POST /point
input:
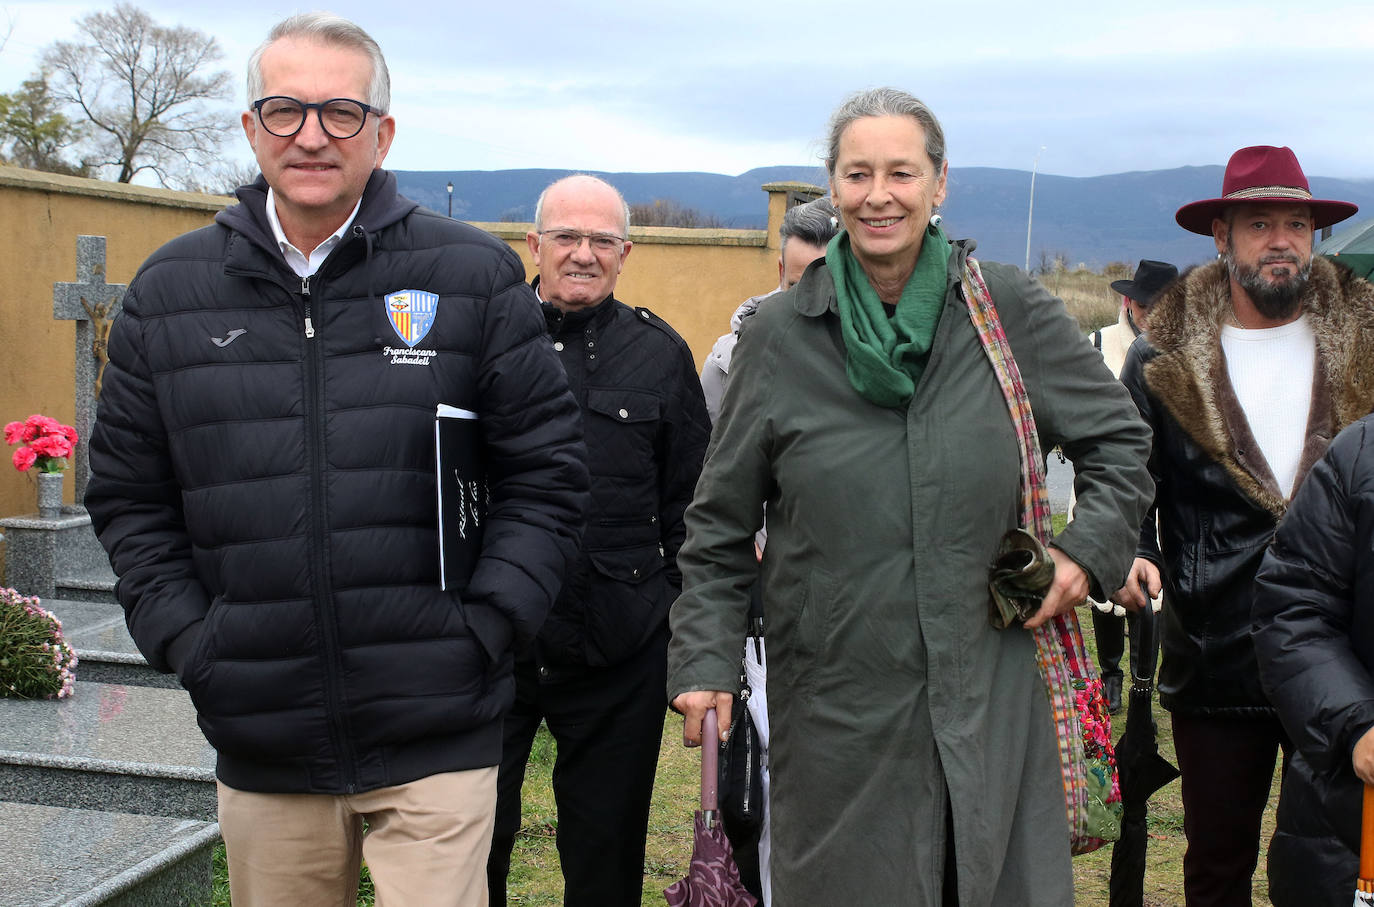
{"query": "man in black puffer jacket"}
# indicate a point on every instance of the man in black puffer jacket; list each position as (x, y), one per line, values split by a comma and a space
(263, 478)
(1314, 636)
(598, 671)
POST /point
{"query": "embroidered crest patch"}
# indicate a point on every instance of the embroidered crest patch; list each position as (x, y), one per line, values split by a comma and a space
(411, 313)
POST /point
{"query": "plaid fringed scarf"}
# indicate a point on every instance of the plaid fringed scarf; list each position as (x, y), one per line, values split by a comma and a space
(1081, 721)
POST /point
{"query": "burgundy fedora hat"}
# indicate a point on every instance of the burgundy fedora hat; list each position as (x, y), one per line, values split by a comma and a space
(1262, 174)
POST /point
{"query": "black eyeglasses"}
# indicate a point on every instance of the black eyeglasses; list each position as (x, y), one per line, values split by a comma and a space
(340, 118)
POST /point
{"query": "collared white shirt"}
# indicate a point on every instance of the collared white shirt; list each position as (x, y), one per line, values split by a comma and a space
(305, 265)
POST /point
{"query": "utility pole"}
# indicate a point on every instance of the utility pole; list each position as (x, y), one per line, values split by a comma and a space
(1030, 209)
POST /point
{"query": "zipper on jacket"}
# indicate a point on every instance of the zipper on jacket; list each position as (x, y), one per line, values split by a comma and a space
(749, 754)
(305, 296)
(325, 618)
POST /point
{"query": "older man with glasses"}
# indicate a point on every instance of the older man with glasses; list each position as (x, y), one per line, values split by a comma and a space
(263, 478)
(597, 673)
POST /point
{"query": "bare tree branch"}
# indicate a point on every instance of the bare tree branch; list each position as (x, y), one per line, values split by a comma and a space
(666, 212)
(141, 87)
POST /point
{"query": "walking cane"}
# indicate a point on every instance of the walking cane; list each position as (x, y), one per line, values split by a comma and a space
(1364, 888)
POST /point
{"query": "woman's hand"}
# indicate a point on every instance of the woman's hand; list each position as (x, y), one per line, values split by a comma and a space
(1130, 596)
(1069, 589)
(693, 706)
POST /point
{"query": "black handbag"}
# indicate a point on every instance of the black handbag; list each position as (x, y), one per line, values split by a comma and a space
(741, 771)
(740, 783)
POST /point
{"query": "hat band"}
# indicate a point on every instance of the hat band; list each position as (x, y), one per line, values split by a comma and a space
(1269, 192)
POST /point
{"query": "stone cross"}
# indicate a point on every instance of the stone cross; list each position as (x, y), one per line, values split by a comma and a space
(92, 304)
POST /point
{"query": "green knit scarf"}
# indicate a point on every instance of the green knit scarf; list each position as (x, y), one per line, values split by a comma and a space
(886, 356)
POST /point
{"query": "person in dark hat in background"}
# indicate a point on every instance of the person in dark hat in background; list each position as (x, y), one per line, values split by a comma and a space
(1251, 365)
(1137, 296)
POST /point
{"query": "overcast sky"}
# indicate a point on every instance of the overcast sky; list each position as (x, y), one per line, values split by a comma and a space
(728, 85)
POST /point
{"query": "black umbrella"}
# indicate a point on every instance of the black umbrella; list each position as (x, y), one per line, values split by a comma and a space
(1142, 769)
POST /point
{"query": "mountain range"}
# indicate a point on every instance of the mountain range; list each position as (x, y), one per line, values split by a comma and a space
(1120, 217)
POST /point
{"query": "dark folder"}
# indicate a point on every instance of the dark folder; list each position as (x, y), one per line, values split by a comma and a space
(462, 487)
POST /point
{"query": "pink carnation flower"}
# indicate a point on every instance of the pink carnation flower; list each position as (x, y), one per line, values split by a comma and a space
(24, 458)
(43, 440)
(52, 446)
(42, 425)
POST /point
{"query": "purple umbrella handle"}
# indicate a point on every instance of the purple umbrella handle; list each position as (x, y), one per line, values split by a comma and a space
(710, 762)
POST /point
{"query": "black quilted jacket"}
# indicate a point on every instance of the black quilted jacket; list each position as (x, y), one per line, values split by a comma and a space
(263, 480)
(1314, 635)
(646, 427)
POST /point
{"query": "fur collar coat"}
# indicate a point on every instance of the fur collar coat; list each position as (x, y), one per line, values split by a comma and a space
(1189, 374)
(1217, 501)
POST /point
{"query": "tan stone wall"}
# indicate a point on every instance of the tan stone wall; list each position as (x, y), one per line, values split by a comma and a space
(41, 215)
(693, 279)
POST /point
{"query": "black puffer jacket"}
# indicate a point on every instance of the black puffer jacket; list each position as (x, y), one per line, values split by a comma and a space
(263, 479)
(1314, 635)
(1216, 499)
(646, 427)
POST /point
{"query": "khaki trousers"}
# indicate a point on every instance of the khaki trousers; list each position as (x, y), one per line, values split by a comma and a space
(426, 843)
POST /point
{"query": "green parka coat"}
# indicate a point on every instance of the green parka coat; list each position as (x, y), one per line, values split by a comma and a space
(891, 696)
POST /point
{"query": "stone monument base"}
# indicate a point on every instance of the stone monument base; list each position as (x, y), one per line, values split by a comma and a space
(51, 557)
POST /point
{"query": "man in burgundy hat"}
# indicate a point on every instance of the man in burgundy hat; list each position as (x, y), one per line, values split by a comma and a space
(1251, 365)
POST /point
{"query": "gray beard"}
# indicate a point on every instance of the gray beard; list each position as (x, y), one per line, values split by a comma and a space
(1275, 301)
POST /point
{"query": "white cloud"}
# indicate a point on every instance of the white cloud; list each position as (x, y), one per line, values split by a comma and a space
(724, 86)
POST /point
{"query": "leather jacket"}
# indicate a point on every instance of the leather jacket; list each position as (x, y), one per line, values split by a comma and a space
(1216, 501)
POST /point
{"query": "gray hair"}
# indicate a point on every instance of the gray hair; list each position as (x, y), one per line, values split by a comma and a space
(815, 223)
(326, 28)
(885, 102)
(539, 205)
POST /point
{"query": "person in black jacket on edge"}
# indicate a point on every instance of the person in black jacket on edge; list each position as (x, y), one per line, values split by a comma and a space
(597, 673)
(263, 478)
(1314, 637)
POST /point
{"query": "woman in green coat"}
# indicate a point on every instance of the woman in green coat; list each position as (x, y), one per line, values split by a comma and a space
(913, 756)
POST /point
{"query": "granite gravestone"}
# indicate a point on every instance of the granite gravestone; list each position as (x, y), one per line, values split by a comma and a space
(45, 556)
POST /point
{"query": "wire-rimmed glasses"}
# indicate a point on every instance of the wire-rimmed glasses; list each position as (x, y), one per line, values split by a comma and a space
(571, 239)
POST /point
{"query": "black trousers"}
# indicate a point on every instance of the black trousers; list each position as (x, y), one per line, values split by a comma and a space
(1228, 768)
(1110, 632)
(607, 725)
